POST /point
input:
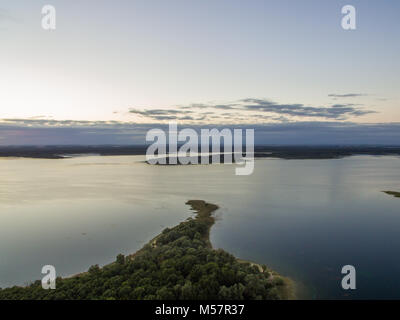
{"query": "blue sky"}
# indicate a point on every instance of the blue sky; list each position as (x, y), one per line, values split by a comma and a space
(221, 62)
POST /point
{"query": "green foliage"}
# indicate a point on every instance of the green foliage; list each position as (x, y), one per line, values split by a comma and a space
(393, 193)
(178, 264)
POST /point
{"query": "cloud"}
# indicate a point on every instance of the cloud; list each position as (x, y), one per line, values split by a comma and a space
(347, 95)
(275, 123)
(167, 114)
(43, 132)
(338, 111)
(153, 112)
(328, 133)
(36, 122)
(253, 110)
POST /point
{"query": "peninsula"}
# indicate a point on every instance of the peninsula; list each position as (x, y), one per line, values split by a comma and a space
(178, 264)
(393, 193)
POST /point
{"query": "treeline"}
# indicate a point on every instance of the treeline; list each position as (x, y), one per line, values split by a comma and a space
(177, 264)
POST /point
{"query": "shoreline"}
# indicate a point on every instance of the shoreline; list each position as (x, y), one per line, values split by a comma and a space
(204, 210)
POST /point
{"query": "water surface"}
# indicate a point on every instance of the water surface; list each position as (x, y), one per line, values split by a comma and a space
(303, 218)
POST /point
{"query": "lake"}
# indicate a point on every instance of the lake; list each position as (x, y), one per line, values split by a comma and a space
(303, 218)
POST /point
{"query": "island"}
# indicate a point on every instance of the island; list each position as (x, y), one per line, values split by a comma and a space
(393, 193)
(178, 264)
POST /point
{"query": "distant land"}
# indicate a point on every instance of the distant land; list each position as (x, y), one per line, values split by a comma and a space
(282, 152)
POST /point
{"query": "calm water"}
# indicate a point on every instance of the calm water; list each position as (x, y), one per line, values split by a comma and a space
(303, 218)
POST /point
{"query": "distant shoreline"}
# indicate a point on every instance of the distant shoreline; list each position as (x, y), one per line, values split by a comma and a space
(264, 152)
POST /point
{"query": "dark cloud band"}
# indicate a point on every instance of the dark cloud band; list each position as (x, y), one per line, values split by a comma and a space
(18, 132)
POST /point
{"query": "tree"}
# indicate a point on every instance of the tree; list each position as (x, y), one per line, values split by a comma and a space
(120, 259)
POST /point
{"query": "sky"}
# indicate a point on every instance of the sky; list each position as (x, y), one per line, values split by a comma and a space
(112, 69)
